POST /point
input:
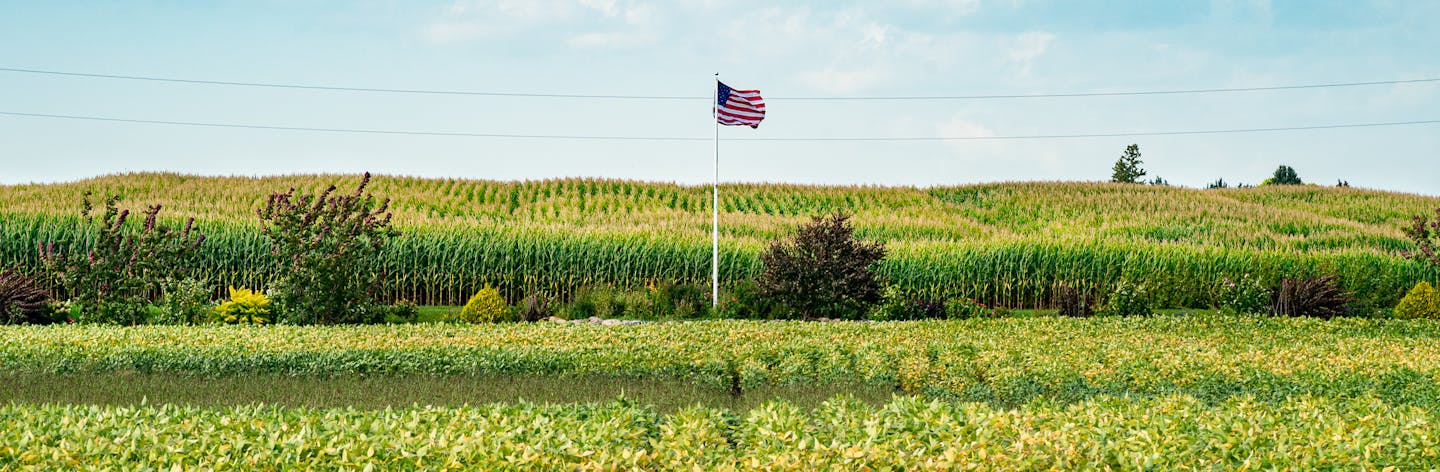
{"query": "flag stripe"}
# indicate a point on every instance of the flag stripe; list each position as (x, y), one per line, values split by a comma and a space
(741, 115)
(738, 107)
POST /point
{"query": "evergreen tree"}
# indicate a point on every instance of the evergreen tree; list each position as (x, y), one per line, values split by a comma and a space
(1284, 175)
(1127, 169)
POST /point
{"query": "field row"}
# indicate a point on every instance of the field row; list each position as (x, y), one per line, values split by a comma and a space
(1168, 433)
(1003, 244)
(1000, 361)
(1270, 218)
(439, 269)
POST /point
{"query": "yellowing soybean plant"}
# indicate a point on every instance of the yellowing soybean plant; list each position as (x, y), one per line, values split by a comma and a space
(1002, 244)
(1187, 390)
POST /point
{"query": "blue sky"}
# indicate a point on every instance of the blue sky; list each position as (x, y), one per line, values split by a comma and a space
(785, 49)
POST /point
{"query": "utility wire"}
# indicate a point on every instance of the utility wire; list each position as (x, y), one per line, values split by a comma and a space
(679, 97)
(677, 138)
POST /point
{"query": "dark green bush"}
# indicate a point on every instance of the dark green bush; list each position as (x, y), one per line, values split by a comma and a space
(678, 301)
(183, 302)
(606, 302)
(1243, 295)
(1284, 175)
(896, 305)
(1128, 299)
(403, 311)
(744, 301)
(966, 308)
(823, 270)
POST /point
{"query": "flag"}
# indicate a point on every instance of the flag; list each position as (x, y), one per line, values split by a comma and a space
(738, 107)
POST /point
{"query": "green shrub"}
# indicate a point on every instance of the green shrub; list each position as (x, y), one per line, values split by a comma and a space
(674, 301)
(744, 301)
(1128, 299)
(1421, 302)
(403, 311)
(111, 278)
(245, 306)
(823, 270)
(325, 243)
(610, 303)
(486, 306)
(1245, 295)
(184, 302)
(896, 305)
(965, 308)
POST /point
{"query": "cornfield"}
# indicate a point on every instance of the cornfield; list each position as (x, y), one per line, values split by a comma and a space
(1002, 244)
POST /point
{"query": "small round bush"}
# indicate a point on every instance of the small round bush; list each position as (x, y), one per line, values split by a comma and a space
(1421, 302)
(486, 306)
(1128, 299)
(965, 308)
(245, 306)
(1245, 295)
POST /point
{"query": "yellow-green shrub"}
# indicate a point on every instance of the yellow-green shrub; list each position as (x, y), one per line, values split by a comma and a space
(1421, 302)
(486, 306)
(245, 306)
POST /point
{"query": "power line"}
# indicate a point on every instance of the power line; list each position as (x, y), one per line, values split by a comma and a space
(354, 89)
(680, 97)
(679, 138)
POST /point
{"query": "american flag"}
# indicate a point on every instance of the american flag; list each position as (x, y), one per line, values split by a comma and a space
(738, 107)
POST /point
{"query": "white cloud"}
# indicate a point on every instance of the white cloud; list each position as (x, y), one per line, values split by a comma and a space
(1027, 47)
(468, 20)
(640, 14)
(953, 7)
(961, 126)
(608, 39)
(844, 81)
(454, 31)
(606, 7)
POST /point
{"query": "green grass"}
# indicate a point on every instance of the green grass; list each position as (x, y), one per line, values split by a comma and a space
(436, 313)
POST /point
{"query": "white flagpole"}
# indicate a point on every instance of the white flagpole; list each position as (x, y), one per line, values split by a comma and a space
(715, 203)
